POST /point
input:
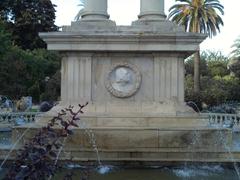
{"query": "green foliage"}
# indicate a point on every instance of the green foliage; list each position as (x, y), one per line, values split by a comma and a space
(190, 95)
(43, 63)
(5, 39)
(211, 64)
(34, 91)
(23, 73)
(236, 48)
(215, 90)
(234, 66)
(52, 88)
(26, 18)
(218, 84)
(221, 89)
(216, 63)
(13, 72)
(189, 66)
(5, 11)
(214, 56)
(198, 16)
(233, 87)
(217, 68)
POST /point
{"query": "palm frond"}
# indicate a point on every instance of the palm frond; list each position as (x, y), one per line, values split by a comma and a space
(80, 12)
(202, 16)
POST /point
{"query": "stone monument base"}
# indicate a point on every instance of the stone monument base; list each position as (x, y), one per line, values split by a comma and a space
(133, 114)
(145, 139)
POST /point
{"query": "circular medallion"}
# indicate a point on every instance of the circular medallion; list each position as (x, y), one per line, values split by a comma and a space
(123, 80)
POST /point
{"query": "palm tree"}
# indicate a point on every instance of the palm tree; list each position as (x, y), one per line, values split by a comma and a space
(198, 16)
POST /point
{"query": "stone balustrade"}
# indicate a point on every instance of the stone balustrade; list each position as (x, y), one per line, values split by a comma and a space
(11, 117)
(224, 120)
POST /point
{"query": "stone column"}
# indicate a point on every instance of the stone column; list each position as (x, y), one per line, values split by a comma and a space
(95, 9)
(152, 9)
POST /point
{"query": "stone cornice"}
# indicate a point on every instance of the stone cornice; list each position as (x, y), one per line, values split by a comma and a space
(123, 41)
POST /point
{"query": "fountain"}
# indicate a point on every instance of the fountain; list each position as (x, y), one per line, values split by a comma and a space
(133, 78)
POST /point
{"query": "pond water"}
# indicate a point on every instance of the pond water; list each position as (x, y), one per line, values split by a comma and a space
(203, 172)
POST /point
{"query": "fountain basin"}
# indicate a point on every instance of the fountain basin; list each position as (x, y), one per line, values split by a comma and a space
(144, 144)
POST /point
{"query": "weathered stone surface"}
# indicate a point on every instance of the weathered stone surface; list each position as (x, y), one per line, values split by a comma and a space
(95, 10)
(152, 9)
(145, 144)
(158, 52)
(137, 113)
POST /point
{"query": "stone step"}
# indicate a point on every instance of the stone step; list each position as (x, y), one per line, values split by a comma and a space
(137, 121)
(133, 156)
(140, 138)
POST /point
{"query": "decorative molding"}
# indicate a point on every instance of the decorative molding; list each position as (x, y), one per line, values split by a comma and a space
(123, 80)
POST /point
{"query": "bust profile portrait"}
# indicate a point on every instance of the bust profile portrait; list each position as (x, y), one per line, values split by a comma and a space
(123, 80)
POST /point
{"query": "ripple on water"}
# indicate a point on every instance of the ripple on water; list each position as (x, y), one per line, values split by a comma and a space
(192, 171)
(104, 169)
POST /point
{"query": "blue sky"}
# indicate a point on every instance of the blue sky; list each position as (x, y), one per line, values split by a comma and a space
(123, 12)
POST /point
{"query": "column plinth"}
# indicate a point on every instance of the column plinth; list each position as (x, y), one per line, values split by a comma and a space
(151, 10)
(95, 9)
(93, 16)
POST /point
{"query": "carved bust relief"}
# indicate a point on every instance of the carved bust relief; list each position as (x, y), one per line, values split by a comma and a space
(123, 80)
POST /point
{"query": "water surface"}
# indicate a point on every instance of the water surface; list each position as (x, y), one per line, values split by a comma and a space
(216, 172)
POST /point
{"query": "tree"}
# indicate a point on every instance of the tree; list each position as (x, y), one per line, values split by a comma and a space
(198, 16)
(5, 39)
(26, 18)
(4, 11)
(212, 64)
(216, 63)
(234, 64)
(189, 66)
(22, 73)
(236, 48)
